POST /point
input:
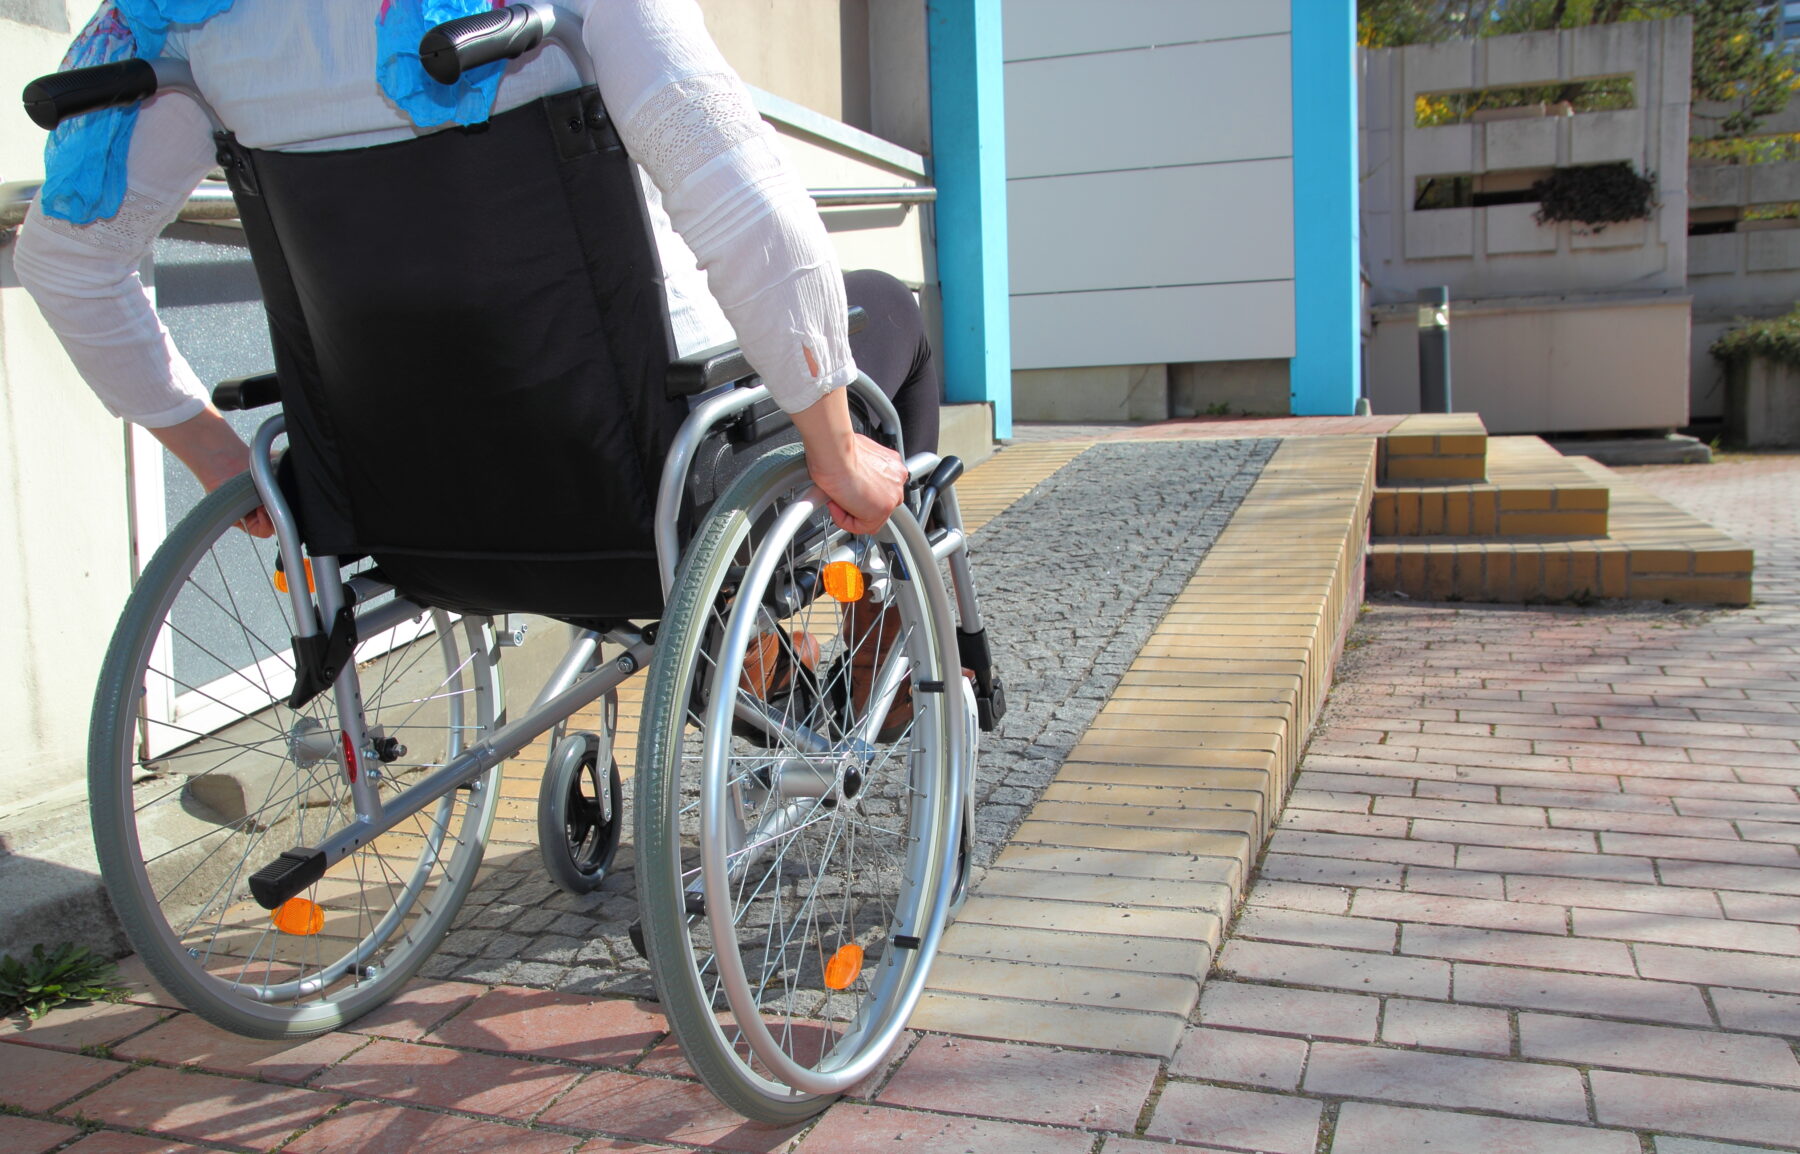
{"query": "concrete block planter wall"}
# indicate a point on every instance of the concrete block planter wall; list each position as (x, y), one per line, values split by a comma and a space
(1762, 403)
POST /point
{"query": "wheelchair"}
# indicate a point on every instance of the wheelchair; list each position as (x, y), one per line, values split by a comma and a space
(297, 743)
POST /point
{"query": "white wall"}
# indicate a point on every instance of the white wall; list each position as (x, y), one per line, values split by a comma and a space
(1149, 181)
(65, 558)
(1546, 365)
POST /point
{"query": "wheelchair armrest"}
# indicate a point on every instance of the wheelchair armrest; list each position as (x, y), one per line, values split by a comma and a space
(722, 364)
(242, 393)
(49, 100)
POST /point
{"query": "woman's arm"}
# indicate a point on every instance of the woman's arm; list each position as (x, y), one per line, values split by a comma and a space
(689, 120)
(85, 278)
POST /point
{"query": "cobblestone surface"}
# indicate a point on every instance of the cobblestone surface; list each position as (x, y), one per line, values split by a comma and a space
(1072, 579)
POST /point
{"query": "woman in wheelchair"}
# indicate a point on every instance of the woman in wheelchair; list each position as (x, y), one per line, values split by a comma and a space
(503, 277)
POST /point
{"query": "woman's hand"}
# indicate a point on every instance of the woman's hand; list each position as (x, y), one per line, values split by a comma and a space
(863, 480)
(214, 454)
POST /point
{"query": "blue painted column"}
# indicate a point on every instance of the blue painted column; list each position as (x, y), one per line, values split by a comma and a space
(1325, 374)
(968, 153)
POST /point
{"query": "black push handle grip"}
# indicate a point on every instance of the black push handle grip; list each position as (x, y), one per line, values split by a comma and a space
(52, 99)
(455, 46)
(240, 394)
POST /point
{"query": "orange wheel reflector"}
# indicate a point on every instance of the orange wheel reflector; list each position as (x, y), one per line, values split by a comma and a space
(299, 917)
(281, 582)
(843, 967)
(844, 581)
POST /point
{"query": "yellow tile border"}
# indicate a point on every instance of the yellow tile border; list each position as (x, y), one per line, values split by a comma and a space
(1250, 641)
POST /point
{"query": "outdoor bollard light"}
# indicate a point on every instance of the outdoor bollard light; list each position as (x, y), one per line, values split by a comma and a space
(1434, 350)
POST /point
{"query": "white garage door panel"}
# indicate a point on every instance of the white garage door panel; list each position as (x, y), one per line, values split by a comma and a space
(1033, 28)
(1176, 226)
(1147, 108)
(1154, 326)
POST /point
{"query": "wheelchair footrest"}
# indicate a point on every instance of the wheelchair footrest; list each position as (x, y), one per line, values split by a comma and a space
(990, 694)
(989, 709)
(286, 876)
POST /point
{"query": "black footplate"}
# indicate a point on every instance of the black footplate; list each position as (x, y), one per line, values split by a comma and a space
(991, 707)
(990, 694)
(286, 876)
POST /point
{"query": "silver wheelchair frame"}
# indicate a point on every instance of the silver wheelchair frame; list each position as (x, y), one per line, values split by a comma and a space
(325, 604)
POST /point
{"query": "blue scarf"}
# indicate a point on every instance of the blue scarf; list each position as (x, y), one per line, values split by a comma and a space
(84, 161)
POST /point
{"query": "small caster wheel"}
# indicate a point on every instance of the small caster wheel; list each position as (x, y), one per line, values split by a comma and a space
(580, 812)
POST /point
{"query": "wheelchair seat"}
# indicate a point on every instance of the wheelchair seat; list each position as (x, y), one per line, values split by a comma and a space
(472, 344)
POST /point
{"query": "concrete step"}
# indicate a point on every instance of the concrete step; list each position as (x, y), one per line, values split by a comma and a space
(1434, 447)
(1530, 490)
(967, 431)
(1652, 551)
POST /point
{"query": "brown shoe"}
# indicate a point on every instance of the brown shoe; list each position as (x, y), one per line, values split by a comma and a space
(869, 641)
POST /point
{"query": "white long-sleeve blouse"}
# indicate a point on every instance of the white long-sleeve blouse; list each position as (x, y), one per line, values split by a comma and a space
(741, 243)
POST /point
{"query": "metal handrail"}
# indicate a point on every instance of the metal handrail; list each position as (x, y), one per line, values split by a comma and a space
(212, 200)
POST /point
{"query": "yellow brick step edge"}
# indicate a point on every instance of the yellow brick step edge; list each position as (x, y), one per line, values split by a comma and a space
(1100, 918)
(1434, 447)
(1654, 552)
(1531, 490)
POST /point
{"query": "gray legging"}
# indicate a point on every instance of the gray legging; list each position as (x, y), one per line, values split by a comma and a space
(893, 351)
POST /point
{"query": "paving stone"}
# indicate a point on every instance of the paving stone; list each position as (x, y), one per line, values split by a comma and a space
(1548, 951)
(30, 1136)
(1278, 1009)
(206, 1108)
(1236, 1056)
(1073, 982)
(1338, 969)
(1445, 1026)
(35, 1080)
(412, 1013)
(1626, 1046)
(859, 1129)
(1667, 1145)
(659, 1110)
(1686, 1106)
(380, 1128)
(113, 1142)
(1758, 1010)
(1299, 896)
(1308, 928)
(1532, 1089)
(474, 1083)
(1048, 1023)
(1023, 1083)
(1655, 899)
(1719, 967)
(606, 1031)
(197, 1043)
(1190, 1112)
(79, 1027)
(1443, 909)
(1369, 1128)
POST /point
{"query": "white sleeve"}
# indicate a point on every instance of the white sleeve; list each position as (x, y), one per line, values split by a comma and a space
(687, 118)
(85, 277)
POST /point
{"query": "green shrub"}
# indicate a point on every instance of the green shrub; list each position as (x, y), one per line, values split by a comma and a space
(69, 973)
(1595, 194)
(1774, 339)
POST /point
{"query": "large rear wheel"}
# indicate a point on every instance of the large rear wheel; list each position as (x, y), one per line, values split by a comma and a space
(800, 800)
(200, 774)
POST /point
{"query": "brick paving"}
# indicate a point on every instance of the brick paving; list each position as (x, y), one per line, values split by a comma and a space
(1538, 882)
(1536, 889)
